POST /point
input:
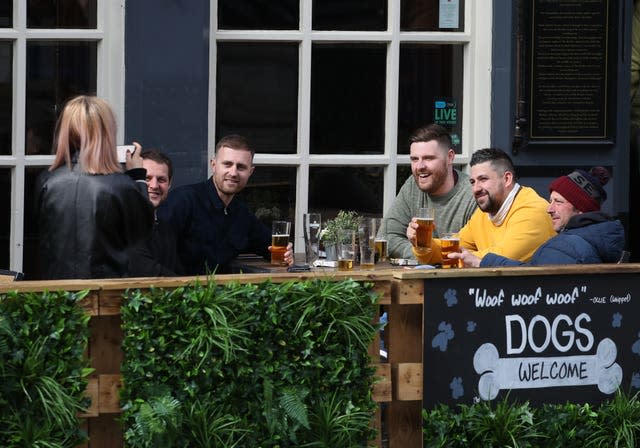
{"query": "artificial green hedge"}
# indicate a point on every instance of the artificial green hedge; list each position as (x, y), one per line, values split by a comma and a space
(43, 371)
(260, 365)
(507, 423)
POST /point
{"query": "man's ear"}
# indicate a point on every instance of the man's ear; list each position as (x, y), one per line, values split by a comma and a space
(451, 154)
(508, 178)
(213, 165)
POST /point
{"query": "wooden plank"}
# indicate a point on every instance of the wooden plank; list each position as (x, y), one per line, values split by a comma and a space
(383, 287)
(108, 390)
(104, 344)
(376, 423)
(404, 419)
(408, 381)
(90, 303)
(382, 388)
(518, 271)
(92, 393)
(403, 336)
(110, 301)
(407, 291)
(105, 431)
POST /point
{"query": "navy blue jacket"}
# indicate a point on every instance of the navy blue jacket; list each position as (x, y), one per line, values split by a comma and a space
(209, 234)
(587, 238)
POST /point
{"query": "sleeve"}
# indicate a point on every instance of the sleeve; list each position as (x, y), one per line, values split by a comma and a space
(492, 259)
(526, 230)
(142, 262)
(259, 237)
(466, 233)
(138, 213)
(396, 222)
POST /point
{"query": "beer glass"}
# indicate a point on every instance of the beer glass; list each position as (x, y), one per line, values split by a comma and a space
(424, 233)
(450, 242)
(280, 231)
(346, 249)
(366, 241)
(312, 227)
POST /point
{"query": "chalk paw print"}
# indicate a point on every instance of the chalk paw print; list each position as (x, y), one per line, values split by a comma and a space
(451, 297)
(635, 380)
(471, 326)
(635, 348)
(441, 340)
(457, 390)
(617, 320)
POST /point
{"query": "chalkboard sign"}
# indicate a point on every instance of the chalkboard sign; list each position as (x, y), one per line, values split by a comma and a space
(546, 339)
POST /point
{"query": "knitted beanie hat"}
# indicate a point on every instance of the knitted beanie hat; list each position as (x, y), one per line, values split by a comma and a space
(583, 189)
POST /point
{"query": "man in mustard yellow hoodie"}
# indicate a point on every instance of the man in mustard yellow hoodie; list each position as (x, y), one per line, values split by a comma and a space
(511, 220)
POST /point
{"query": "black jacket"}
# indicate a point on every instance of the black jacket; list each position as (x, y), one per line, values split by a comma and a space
(157, 256)
(87, 222)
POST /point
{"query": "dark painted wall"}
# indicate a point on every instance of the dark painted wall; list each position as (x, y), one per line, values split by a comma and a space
(167, 81)
(538, 166)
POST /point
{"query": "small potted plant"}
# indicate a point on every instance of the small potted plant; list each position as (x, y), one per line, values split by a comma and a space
(329, 234)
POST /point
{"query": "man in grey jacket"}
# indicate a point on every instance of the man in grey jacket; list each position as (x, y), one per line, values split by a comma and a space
(434, 183)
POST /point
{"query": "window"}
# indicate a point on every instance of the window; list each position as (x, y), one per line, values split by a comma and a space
(328, 92)
(50, 50)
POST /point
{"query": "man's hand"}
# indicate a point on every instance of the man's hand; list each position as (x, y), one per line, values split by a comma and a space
(134, 160)
(288, 255)
(468, 259)
(411, 231)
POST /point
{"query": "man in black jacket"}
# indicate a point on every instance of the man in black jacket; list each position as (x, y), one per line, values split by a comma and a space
(157, 256)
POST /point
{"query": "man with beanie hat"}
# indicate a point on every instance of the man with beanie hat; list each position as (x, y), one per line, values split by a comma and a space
(585, 234)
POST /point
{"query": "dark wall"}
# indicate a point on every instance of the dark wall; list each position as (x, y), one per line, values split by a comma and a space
(167, 81)
(538, 165)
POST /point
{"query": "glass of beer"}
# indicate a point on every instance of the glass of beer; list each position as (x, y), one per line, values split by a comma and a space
(312, 226)
(280, 231)
(346, 249)
(381, 249)
(450, 242)
(424, 233)
(366, 238)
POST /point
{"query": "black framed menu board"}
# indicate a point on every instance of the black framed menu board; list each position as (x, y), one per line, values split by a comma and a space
(572, 48)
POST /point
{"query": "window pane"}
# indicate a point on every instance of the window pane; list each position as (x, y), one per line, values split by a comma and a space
(403, 172)
(5, 216)
(61, 14)
(56, 71)
(332, 189)
(352, 15)
(271, 194)
(6, 92)
(431, 15)
(348, 98)
(257, 94)
(6, 14)
(30, 265)
(430, 90)
(258, 14)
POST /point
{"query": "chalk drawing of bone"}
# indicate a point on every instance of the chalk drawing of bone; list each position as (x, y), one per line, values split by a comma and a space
(516, 373)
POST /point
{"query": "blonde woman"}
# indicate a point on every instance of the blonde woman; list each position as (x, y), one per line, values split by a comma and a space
(89, 211)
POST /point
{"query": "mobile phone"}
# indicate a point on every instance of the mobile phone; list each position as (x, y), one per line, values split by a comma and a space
(122, 152)
(299, 268)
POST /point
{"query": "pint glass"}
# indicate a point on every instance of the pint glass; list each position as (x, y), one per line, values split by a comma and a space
(280, 231)
(450, 242)
(424, 233)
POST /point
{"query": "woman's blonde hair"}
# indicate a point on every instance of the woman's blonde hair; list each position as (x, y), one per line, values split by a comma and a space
(87, 125)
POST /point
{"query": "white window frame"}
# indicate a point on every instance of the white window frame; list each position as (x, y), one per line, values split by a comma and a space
(476, 125)
(109, 34)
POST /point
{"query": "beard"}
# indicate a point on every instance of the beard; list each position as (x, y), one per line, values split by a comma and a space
(489, 204)
(432, 183)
